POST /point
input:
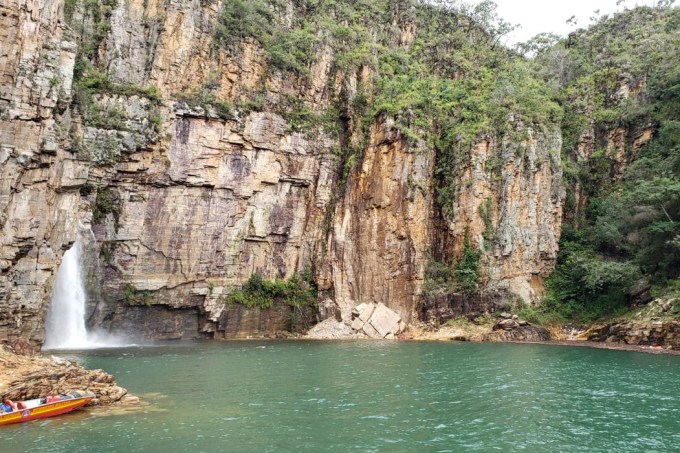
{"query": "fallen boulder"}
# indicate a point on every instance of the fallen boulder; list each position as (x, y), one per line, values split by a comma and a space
(511, 328)
(377, 321)
(506, 324)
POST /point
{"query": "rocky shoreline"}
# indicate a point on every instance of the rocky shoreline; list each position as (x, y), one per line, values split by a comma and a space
(642, 336)
(649, 333)
(28, 377)
(609, 346)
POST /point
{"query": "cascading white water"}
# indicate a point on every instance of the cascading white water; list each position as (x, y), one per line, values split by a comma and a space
(65, 323)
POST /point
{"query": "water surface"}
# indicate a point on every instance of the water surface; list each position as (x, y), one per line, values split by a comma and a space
(372, 396)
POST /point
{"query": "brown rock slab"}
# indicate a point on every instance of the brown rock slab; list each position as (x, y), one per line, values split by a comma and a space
(642, 333)
(506, 324)
(34, 377)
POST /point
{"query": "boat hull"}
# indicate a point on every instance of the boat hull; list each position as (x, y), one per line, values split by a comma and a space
(44, 411)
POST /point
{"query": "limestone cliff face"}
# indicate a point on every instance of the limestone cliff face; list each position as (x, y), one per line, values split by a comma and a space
(232, 198)
(512, 213)
(387, 229)
(212, 199)
(38, 180)
(180, 201)
(382, 226)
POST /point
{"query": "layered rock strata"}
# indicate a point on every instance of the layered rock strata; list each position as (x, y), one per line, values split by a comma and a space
(510, 206)
(381, 229)
(527, 333)
(183, 200)
(440, 307)
(39, 181)
(650, 333)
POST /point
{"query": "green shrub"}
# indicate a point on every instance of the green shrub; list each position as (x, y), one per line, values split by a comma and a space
(460, 277)
(467, 270)
(107, 202)
(585, 287)
(261, 293)
(107, 251)
(486, 213)
(547, 314)
(203, 98)
(133, 296)
(95, 81)
(241, 19)
(293, 50)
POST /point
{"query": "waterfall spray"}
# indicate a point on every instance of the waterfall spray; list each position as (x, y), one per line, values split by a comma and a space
(65, 324)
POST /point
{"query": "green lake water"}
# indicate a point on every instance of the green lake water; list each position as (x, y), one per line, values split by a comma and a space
(373, 396)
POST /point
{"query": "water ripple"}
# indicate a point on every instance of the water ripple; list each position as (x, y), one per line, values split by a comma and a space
(363, 396)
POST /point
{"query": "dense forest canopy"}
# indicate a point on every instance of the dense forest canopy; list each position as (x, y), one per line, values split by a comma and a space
(620, 74)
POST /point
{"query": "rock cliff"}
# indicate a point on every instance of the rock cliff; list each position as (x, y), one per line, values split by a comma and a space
(381, 230)
(512, 213)
(188, 166)
(39, 180)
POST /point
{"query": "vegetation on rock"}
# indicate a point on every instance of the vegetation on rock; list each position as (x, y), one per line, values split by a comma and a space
(622, 218)
(460, 277)
(259, 292)
(133, 296)
(107, 202)
(454, 86)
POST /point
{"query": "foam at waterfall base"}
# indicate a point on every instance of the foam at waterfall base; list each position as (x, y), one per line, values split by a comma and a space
(95, 340)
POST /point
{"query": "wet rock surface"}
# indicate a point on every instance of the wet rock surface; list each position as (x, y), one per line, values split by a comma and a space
(279, 321)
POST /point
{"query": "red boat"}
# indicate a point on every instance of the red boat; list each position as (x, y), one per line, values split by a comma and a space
(40, 408)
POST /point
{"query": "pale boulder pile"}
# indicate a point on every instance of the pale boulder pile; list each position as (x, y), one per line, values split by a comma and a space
(377, 321)
(372, 320)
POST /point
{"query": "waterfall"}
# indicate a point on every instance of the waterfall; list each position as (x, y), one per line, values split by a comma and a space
(65, 323)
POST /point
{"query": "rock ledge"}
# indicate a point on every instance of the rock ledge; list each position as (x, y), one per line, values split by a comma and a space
(24, 378)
